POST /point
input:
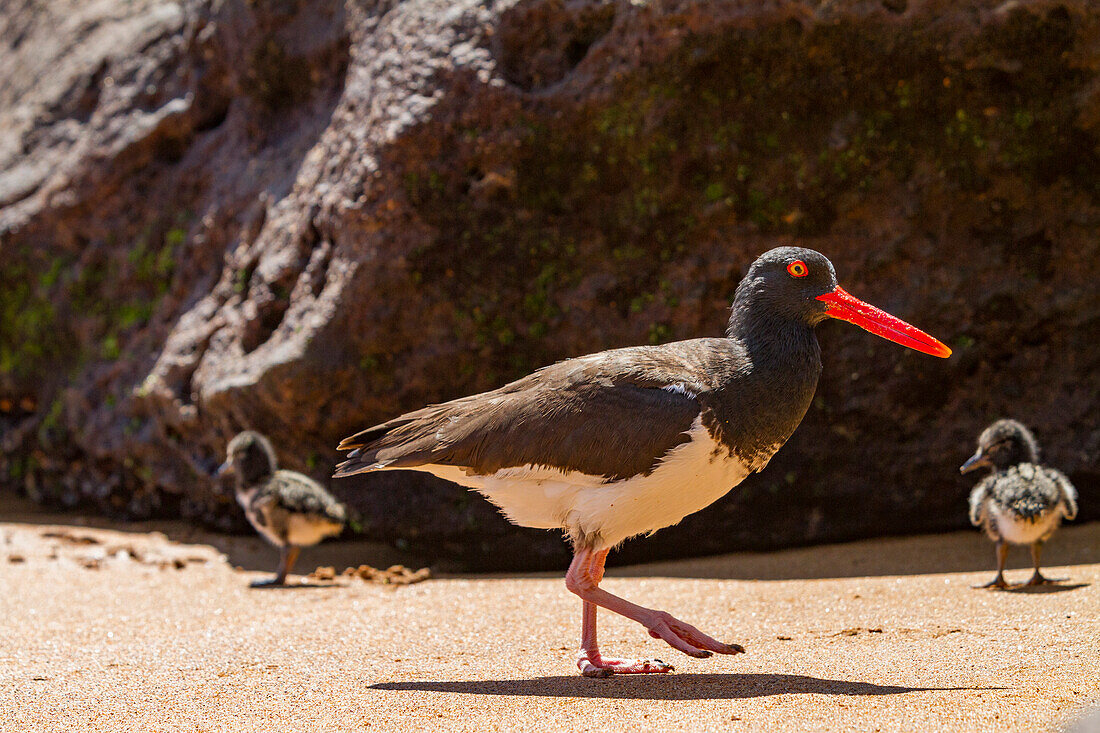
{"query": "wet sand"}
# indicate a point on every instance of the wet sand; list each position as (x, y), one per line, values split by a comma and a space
(154, 628)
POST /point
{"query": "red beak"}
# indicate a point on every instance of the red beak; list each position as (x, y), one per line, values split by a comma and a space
(845, 307)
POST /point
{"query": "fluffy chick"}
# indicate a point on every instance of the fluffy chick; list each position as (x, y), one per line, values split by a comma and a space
(1020, 502)
(289, 509)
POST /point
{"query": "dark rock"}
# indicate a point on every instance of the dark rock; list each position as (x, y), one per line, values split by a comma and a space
(306, 216)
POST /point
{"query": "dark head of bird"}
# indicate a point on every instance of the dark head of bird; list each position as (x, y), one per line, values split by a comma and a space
(250, 457)
(1003, 444)
(795, 286)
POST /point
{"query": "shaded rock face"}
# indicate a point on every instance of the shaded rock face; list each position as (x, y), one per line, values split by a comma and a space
(306, 217)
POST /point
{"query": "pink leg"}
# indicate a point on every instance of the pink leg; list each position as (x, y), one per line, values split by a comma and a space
(583, 578)
(594, 664)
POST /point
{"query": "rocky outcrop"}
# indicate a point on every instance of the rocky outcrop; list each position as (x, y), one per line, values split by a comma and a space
(306, 216)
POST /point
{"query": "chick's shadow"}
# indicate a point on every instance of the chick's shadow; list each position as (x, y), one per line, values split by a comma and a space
(709, 686)
(1052, 587)
(261, 585)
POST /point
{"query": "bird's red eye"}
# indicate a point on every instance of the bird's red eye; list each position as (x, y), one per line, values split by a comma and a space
(798, 269)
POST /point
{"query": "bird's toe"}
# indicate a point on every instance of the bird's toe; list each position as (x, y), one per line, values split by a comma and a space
(603, 667)
(589, 670)
(687, 638)
(996, 583)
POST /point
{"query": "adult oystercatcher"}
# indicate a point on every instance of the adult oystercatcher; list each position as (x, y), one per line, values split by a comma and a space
(287, 508)
(627, 441)
(1020, 502)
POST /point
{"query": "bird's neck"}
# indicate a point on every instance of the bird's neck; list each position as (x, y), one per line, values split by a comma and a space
(254, 468)
(761, 405)
(1023, 452)
(773, 341)
(245, 494)
(253, 476)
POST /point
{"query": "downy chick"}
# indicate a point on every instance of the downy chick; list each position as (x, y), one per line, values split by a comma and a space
(289, 509)
(1020, 502)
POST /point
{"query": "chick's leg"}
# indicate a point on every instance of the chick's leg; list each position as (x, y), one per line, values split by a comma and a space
(1037, 578)
(1002, 554)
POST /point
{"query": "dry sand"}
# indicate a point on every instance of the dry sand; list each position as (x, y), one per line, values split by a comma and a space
(127, 630)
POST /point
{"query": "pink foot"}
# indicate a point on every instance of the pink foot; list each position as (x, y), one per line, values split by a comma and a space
(583, 579)
(687, 638)
(607, 666)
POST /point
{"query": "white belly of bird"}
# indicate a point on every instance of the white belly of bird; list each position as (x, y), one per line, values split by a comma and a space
(690, 476)
(305, 531)
(301, 530)
(1022, 532)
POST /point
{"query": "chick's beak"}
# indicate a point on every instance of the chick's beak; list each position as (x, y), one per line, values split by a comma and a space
(978, 460)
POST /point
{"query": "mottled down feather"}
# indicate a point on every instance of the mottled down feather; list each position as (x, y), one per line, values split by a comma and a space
(1026, 490)
(300, 495)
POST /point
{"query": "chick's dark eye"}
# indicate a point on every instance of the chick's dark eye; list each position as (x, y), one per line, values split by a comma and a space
(798, 269)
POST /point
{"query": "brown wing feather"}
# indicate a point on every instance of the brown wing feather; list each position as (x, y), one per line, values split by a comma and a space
(608, 414)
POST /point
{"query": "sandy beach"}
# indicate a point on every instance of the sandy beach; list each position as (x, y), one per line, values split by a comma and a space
(153, 627)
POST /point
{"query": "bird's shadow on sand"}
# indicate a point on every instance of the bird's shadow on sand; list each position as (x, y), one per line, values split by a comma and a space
(710, 686)
(1053, 587)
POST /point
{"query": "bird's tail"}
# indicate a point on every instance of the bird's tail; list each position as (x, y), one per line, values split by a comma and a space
(362, 458)
(408, 440)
